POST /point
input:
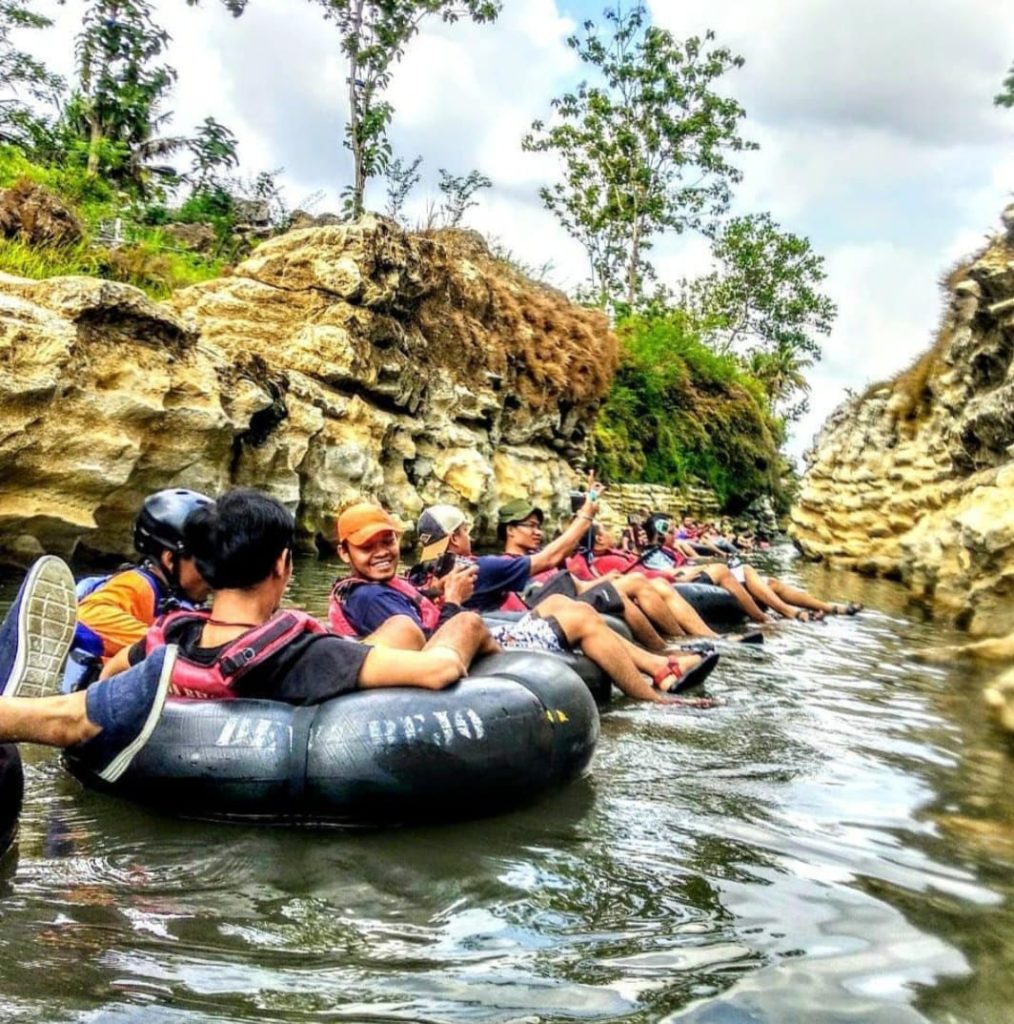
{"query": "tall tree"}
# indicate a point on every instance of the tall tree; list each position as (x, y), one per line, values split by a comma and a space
(213, 148)
(121, 85)
(374, 35)
(644, 148)
(781, 372)
(22, 76)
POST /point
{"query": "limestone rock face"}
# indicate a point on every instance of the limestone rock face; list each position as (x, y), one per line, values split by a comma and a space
(915, 479)
(336, 363)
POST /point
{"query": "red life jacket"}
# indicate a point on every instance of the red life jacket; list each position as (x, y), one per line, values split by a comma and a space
(217, 681)
(580, 566)
(428, 612)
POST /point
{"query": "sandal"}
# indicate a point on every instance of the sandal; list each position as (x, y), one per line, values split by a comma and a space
(801, 616)
(684, 679)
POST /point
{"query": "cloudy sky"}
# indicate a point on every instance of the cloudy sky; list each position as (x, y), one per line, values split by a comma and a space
(878, 136)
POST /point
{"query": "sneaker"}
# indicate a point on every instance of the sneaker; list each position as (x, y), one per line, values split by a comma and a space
(127, 707)
(36, 634)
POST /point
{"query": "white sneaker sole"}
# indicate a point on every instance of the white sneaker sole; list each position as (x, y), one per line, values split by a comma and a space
(122, 761)
(46, 621)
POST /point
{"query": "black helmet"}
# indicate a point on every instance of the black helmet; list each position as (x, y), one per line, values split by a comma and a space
(159, 527)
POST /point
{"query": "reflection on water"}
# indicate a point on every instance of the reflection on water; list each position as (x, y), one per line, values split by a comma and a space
(833, 843)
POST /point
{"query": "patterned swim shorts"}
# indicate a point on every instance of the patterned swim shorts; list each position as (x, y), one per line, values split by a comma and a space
(530, 633)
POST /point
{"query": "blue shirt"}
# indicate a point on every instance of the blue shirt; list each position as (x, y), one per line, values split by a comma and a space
(370, 605)
(499, 575)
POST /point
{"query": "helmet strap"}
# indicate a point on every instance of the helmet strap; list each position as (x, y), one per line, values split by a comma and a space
(170, 577)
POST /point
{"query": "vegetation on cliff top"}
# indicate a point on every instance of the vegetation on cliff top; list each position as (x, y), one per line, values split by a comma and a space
(679, 412)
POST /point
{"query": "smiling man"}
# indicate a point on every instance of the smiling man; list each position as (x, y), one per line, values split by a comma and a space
(373, 597)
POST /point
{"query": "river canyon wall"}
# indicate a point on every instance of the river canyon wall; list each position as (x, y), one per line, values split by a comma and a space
(336, 363)
(914, 479)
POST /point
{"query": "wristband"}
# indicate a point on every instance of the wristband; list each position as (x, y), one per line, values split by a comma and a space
(581, 515)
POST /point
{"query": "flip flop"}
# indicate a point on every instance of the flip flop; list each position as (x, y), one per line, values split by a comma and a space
(687, 679)
(801, 616)
(755, 636)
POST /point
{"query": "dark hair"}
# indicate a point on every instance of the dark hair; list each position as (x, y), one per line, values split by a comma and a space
(236, 541)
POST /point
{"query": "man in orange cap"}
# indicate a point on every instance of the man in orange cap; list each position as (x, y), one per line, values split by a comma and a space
(371, 600)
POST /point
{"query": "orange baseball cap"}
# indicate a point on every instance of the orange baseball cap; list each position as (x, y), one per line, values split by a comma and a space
(358, 523)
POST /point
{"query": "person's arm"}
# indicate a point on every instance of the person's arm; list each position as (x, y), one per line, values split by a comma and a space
(458, 587)
(685, 549)
(567, 543)
(118, 663)
(120, 611)
(432, 669)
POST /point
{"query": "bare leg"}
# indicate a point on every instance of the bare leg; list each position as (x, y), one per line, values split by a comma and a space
(400, 632)
(52, 721)
(465, 634)
(583, 627)
(722, 577)
(799, 598)
(759, 588)
(641, 625)
(638, 590)
(681, 609)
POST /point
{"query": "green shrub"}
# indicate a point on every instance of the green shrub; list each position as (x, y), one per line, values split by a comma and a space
(679, 412)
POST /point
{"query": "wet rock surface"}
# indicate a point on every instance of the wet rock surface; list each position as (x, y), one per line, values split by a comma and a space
(915, 478)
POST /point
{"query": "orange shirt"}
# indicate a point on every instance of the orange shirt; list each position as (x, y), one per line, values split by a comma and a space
(120, 611)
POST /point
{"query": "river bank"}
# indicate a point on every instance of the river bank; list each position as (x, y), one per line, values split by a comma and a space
(833, 844)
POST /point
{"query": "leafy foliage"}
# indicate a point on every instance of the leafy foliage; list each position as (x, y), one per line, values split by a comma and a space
(765, 292)
(401, 179)
(213, 148)
(680, 412)
(145, 256)
(458, 192)
(120, 89)
(644, 150)
(22, 75)
(1005, 98)
(764, 299)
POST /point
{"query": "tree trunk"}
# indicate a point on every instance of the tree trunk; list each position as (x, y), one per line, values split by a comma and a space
(635, 259)
(358, 178)
(94, 141)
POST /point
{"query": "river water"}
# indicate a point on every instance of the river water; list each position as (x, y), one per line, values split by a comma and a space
(832, 844)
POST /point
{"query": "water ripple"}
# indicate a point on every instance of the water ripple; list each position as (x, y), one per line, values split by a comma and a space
(832, 843)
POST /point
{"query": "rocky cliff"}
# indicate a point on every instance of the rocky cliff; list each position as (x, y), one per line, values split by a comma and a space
(915, 478)
(336, 362)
